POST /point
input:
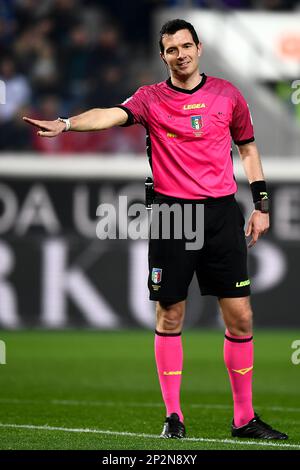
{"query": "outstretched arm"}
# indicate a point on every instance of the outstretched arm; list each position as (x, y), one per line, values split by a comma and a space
(259, 222)
(93, 120)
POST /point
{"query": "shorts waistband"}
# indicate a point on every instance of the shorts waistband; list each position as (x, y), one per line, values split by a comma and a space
(161, 198)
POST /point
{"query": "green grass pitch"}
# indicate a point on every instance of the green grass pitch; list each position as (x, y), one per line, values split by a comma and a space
(99, 390)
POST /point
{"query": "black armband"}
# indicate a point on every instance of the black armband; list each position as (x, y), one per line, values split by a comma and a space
(259, 191)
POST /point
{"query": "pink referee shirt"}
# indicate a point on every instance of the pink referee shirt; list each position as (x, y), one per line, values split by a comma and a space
(190, 134)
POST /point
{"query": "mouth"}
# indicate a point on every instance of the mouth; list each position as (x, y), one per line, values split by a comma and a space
(183, 64)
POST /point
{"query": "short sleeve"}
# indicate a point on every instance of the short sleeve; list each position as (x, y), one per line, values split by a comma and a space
(137, 107)
(241, 127)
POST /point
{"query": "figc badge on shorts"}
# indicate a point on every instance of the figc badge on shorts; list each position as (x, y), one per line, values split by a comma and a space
(156, 275)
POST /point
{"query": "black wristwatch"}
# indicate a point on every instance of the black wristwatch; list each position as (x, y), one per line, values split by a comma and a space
(263, 205)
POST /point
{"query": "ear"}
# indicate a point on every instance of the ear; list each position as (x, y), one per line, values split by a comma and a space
(163, 59)
(199, 47)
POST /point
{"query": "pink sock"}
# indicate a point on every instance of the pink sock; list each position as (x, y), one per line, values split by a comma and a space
(169, 360)
(238, 357)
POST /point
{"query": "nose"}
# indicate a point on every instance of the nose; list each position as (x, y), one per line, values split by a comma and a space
(181, 53)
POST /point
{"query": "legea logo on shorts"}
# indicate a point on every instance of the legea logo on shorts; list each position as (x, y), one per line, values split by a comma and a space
(243, 283)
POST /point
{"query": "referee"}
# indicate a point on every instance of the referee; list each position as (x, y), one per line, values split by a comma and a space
(191, 120)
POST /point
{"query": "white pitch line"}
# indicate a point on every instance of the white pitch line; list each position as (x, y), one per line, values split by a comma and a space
(145, 436)
(136, 404)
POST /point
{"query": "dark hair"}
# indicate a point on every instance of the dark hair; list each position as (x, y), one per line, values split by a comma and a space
(172, 26)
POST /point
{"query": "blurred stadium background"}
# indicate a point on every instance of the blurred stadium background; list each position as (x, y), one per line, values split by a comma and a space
(61, 57)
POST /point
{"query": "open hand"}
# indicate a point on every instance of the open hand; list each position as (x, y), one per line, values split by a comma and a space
(47, 128)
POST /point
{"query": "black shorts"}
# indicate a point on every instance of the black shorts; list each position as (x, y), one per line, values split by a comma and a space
(220, 265)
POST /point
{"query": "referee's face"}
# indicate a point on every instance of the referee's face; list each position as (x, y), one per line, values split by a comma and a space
(181, 54)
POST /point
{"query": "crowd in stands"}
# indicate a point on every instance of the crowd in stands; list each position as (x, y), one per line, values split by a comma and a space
(61, 57)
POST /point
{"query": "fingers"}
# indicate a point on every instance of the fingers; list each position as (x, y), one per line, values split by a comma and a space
(34, 122)
(253, 240)
(46, 133)
(257, 226)
(26, 119)
(46, 127)
(256, 234)
(249, 229)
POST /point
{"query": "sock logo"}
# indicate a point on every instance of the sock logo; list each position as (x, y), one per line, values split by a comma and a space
(243, 371)
(173, 372)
